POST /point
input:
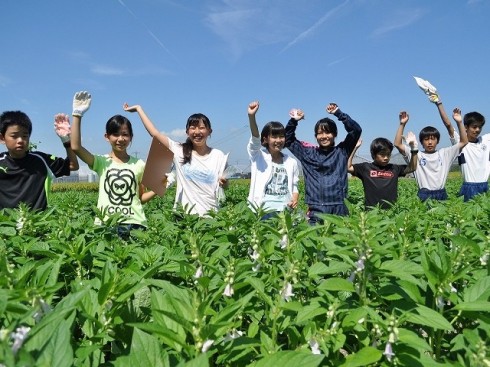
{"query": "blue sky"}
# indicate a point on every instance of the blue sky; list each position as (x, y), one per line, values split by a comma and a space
(176, 58)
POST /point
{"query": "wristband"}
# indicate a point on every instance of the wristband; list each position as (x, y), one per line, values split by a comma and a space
(414, 151)
(67, 144)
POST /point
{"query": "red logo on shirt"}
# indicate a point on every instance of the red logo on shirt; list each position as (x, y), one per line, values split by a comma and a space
(381, 174)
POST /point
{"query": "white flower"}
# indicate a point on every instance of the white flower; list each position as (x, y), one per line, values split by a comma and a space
(198, 273)
(360, 264)
(254, 254)
(228, 292)
(388, 352)
(206, 345)
(19, 335)
(256, 267)
(20, 223)
(484, 259)
(315, 348)
(284, 241)
(440, 302)
(287, 292)
(234, 334)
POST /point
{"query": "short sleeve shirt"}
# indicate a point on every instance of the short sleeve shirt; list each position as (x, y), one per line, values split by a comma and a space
(380, 182)
(28, 180)
(119, 188)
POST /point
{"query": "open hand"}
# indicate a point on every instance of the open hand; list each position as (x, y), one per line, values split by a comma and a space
(457, 115)
(62, 127)
(297, 114)
(81, 103)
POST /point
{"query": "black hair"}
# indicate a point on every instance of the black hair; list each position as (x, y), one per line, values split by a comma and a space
(381, 145)
(429, 131)
(115, 123)
(473, 118)
(193, 120)
(272, 128)
(9, 118)
(326, 125)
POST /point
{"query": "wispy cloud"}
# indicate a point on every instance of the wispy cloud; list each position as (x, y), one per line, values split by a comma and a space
(4, 81)
(148, 30)
(303, 35)
(397, 22)
(107, 70)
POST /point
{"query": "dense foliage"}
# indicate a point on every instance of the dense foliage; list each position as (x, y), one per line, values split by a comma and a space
(409, 286)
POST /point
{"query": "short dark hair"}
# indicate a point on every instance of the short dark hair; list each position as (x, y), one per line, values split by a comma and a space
(326, 125)
(114, 124)
(272, 128)
(381, 145)
(473, 118)
(9, 118)
(429, 131)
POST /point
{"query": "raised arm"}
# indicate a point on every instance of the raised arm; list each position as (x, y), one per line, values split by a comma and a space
(81, 103)
(442, 112)
(253, 107)
(63, 130)
(290, 131)
(412, 142)
(403, 116)
(463, 137)
(353, 129)
(350, 166)
(149, 126)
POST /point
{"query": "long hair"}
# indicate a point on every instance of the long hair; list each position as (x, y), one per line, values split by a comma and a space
(193, 120)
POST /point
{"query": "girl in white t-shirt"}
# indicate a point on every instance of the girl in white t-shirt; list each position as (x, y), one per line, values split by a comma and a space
(120, 175)
(274, 174)
(198, 167)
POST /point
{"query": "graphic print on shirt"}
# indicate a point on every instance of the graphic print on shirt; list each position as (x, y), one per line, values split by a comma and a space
(201, 175)
(381, 174)
(120, 186)
(278, 183)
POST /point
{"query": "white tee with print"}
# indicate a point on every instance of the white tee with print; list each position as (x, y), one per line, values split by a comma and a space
(197, 181)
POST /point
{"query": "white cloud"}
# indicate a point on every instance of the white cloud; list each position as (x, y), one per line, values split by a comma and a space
(402, 20)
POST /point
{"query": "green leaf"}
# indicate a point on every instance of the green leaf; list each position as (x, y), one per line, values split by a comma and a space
(107, 282)
(478, 306)
(145, 350)
(364, 357)
(336, 284)
(309, 312)
(428, 317)
(58, 350)
(479, 290)
(290, 359)
(411, 339)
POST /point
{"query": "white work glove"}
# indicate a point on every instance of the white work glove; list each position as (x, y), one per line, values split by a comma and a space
(428, 89)
(62, 127)
(411, 140)
(81, 103)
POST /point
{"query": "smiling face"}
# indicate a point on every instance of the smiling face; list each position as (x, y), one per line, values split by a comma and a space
(121, 139)
(16, 139)
(198, 133)
(325, 139)
(274, 143)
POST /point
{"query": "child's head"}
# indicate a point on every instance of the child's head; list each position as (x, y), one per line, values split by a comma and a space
(473, 122)
(273, 136)
(15, 131)
(429, 138)
(325, 132)
(119, 132)
(381, 149)
(198, 129)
